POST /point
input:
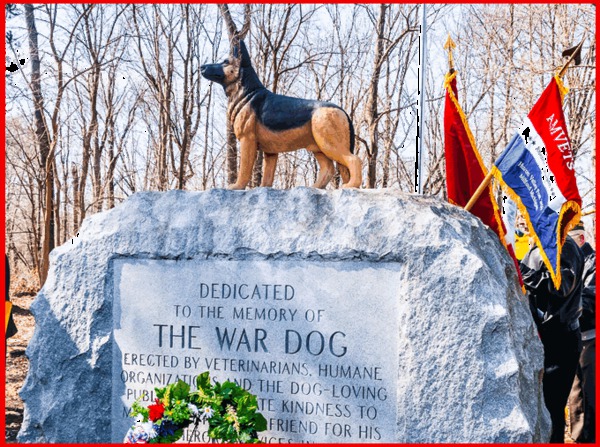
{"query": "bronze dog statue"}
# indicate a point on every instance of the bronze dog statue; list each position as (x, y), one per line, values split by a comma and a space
(276, 123)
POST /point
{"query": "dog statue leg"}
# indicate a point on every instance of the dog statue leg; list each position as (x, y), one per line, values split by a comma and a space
(354, 165)
(247, 158)
(344, 173)
(331, 132)
(326, 170)
(270, 163)
(350, 161)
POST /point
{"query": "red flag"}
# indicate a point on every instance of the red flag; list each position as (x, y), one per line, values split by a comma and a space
(464, 169)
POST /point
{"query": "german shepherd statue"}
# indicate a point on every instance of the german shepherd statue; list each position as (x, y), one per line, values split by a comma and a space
(275, 123)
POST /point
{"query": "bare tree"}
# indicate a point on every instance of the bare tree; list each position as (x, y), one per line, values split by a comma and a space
(234, 37)
(48, 133)
(43, 141)
(158, 30)
(399, 24)
(101, 45)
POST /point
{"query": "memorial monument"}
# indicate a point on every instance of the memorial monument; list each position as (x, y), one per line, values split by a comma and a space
(353, 316)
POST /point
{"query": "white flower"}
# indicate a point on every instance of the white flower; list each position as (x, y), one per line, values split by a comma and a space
(194, 410)
(207, 412)
(139, 418)
(148, 427)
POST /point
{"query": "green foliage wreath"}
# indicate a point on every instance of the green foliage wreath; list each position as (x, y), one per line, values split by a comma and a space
(231, 412)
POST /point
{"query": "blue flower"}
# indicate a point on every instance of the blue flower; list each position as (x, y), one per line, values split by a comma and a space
(167, 428)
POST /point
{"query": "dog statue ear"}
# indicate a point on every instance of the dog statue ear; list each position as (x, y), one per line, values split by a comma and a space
(240, 52)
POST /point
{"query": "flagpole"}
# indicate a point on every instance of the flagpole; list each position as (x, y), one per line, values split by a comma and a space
(484, 184)
(420, 132)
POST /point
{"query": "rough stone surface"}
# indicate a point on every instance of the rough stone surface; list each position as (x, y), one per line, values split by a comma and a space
(469, 359)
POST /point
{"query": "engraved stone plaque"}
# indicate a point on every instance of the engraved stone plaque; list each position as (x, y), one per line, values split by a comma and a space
(315, 341)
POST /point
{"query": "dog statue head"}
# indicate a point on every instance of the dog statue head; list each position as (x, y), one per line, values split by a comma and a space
(232, 68)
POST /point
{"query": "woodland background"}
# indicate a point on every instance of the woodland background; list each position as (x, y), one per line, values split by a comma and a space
(103, 101)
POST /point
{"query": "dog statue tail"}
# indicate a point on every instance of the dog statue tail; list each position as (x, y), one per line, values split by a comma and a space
(344, 171)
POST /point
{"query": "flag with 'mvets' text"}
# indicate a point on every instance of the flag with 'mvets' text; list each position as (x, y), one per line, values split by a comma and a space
(538, 169)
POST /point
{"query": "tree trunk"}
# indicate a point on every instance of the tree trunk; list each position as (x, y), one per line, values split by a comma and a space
(57, 224)
(76, 198)
(372, 112)
(110, 174)
(257, 170)
(162, 149)
(43, 141)
(231, 154)
(206, 134)
(65, 201)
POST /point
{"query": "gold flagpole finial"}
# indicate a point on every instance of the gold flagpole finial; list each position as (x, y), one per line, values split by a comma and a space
(575, 55)
(449, 46)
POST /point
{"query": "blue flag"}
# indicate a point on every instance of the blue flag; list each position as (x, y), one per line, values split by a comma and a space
(538, 170)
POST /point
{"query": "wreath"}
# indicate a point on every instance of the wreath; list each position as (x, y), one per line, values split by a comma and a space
(230, 410)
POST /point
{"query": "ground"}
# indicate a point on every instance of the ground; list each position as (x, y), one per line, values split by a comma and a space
(16, 362)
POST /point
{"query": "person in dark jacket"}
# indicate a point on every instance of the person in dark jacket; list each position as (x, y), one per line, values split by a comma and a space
(582, 400)
(556, 313)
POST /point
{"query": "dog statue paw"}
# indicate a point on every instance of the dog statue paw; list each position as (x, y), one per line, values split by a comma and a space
(236, 186)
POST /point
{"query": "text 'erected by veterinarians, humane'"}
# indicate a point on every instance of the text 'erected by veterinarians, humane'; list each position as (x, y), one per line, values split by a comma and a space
(315, 341)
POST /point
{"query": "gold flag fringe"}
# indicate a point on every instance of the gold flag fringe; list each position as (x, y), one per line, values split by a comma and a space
(562, 228)
(561, 87)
